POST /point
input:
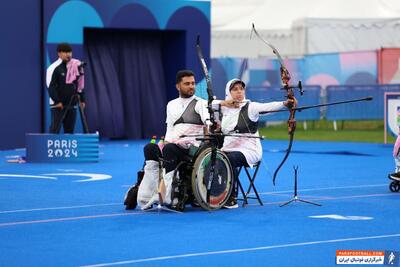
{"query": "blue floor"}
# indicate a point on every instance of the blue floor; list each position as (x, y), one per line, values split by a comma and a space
(54, 215)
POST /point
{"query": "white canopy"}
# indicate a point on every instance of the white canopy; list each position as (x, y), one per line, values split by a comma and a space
(303, 26)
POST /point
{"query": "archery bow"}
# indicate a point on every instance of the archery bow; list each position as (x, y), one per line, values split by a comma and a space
(213, 126)
(210, 93)
(285, 77)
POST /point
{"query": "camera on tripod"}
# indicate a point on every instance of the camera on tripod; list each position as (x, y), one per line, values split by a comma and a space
(81, 67)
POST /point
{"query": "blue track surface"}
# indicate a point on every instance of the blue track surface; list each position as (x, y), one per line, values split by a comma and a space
(67, 222)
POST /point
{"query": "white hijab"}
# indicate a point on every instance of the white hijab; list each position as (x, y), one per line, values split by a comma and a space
(228, 91)
(230, 115)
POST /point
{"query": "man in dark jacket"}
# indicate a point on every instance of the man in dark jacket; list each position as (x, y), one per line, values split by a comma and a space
(61, 93)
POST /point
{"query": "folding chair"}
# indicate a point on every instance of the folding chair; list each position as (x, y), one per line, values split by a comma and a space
(251, 184)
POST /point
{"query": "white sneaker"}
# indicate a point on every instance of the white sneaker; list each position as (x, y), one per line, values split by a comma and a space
(152, 200)
(231, 204)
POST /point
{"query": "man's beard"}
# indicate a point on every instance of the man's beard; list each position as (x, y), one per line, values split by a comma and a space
(185, 95)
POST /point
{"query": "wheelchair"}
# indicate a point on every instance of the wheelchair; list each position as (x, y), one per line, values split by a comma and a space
(192, 177)
(394, 185)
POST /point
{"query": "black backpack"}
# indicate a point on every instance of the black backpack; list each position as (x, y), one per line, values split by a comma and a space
(130, 200)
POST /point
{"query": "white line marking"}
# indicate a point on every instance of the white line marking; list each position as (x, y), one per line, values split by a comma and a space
(336, 198)
(68, 219)
(325, 188)
(60, 208)
(92, 176)
(69, 170)
(354, 196)
(117, 203)
(28, 176)
(342, 217)
(239, 250)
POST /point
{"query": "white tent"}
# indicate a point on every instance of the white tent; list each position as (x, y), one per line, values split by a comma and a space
(303, 26)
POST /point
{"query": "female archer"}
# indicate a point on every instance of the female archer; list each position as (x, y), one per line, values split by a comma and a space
(244, 149)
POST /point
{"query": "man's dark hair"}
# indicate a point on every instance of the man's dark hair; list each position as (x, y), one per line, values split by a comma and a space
(183, 73)
(64, 47)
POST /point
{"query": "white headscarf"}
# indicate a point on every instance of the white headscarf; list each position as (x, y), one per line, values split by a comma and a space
(228, 86)
(230, 115)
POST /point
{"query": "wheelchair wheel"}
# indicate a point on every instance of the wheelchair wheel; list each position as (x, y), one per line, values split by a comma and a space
(394, 186)
(222, 183)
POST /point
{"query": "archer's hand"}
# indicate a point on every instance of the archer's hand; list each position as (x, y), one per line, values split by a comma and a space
(291, 102)
(230, 103)
(83, 105)
(58, 105)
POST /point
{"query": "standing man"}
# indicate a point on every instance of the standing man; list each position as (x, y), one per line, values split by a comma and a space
(64, 79)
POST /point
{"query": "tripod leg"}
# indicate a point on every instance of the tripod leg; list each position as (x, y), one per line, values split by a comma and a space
(66, 109)
(83, 116)
(60, 121)
(290, 201)
(295, 198)
(309, 202)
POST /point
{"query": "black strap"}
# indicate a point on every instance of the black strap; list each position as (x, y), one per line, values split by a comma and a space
(244, 124)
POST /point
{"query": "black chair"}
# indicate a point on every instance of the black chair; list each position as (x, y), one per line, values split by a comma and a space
(252, 178)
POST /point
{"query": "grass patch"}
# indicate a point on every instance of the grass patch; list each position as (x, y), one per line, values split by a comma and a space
(347, 131)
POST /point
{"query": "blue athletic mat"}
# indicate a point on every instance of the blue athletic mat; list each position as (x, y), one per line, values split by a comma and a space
(72, 214)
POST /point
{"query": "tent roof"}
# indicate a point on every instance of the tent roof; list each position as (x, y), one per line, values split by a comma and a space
(296, 27)
(281, 14)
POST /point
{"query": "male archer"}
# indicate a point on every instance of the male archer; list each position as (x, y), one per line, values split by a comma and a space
(187, 116)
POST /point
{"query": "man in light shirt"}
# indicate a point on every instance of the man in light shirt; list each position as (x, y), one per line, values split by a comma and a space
(187, 116)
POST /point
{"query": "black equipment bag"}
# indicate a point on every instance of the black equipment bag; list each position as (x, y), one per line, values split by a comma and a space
(130, 200)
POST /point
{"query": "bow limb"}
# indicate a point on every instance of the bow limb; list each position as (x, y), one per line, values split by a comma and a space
(285, 158)
(291, 130)
(212, 118)
(285, 75)
(285, 78)
(210, 93)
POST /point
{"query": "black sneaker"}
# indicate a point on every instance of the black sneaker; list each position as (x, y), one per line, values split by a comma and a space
(195, 204)
(395, 176)
(231, 204)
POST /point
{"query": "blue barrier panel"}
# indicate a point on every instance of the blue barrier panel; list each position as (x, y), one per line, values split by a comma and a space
(371, 110)
(62, 147)
(267, 94)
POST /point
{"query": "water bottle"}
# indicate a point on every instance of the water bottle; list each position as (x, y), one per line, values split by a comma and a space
(153, 139)
(161, 143)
